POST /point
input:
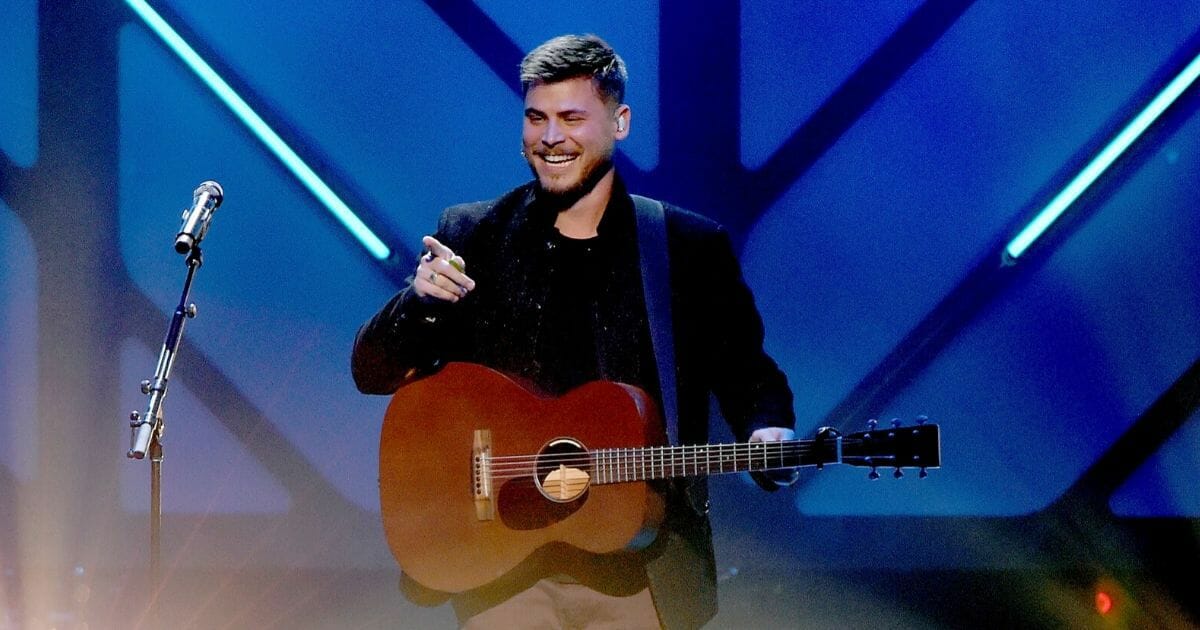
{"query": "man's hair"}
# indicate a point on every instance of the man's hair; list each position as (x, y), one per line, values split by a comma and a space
(571, 56)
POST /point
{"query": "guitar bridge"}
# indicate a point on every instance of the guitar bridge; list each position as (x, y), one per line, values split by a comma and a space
(481, 475)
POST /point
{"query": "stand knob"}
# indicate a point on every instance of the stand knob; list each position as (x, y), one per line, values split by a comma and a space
(190, 311)
(146, 386)
(135, 419)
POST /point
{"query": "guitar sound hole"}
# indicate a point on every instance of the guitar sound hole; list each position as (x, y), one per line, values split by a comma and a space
(532, 503)
(563, 472)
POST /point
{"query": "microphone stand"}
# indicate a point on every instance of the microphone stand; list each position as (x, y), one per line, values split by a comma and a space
(147, 428)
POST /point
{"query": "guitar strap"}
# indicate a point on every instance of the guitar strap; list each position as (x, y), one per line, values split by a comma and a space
(683, 577)
(656, 285)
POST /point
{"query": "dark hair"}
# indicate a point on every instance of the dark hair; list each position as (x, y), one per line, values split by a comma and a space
(570, 56)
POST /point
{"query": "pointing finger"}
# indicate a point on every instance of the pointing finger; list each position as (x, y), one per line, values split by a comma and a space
(436, 248)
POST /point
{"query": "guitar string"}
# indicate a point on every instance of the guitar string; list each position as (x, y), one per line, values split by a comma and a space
(619, 461)
(635, 463)
(618, 477)
(684, 453)
(791, 446)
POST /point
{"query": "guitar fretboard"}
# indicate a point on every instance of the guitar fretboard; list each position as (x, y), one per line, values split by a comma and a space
(665, 462)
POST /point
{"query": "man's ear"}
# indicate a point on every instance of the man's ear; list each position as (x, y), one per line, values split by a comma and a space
(621, 120)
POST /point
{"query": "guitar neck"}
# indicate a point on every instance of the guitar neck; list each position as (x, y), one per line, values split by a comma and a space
(619, 465)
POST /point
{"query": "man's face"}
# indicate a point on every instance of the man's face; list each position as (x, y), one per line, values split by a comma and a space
(569, 134)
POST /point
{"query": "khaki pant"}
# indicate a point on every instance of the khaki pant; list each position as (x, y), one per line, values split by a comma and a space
(553, 605)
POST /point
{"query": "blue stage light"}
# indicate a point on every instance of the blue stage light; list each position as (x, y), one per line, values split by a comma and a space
(1090, 173)
(261, 130)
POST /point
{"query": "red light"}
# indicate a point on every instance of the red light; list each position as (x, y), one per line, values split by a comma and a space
(1104, 603)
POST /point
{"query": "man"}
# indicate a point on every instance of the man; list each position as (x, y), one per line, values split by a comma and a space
(546, 283)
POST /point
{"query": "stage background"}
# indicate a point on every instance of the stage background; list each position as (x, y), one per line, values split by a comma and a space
(871, 161)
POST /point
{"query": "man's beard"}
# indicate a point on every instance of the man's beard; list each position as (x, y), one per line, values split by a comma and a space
(563, 199)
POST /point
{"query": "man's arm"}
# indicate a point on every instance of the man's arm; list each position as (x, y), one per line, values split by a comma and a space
(403, 339)
(750, 388)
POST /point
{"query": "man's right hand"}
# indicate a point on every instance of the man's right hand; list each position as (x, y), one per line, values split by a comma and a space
(440, 273)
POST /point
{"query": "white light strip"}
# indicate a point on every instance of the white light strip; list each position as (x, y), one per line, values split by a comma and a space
(1101, 162)
(259, 128)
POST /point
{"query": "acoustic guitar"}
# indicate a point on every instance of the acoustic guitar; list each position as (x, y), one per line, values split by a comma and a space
(476, 472)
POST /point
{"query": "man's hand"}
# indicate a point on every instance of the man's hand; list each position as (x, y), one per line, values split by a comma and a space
(781, 477)
(772, 434)
(440, 273)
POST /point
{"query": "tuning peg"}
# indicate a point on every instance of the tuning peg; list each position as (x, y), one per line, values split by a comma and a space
(896, 422)
(922, 419)
(871, 424)
(872, 475)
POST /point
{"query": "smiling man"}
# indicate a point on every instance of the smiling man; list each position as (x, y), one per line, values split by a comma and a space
(548, 283)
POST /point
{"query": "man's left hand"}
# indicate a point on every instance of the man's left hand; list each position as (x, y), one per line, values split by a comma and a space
(773, 479)
(772, 434)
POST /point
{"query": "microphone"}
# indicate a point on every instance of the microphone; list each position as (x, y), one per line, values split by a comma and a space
(205, 201)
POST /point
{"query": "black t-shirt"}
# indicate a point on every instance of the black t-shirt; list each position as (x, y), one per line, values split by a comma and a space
(567, 341)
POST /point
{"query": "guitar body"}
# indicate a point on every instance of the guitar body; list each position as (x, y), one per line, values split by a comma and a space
(440, 532)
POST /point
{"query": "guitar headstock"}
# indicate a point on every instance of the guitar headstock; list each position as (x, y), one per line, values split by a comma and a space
(897, 446)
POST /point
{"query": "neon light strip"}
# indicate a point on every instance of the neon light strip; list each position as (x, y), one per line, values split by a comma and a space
(259, 128)
(1101, 162)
